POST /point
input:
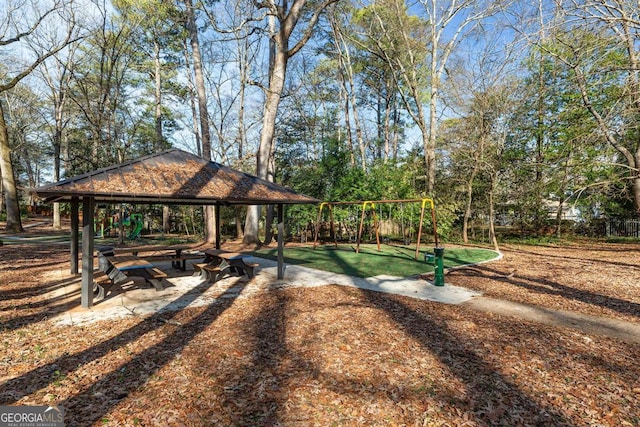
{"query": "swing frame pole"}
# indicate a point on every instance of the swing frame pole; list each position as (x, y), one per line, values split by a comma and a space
(375, 224)
(433, 221)
(364, 205)
(331, 222)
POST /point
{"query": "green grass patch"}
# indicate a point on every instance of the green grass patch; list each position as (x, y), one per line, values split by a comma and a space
(396, 261)
(15, 240)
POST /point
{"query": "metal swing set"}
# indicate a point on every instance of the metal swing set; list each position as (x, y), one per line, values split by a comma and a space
(371, 205)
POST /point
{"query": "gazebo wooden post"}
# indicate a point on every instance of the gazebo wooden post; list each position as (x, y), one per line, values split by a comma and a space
(216, 207)
(74, 234)
(86, 293)
(281, 238)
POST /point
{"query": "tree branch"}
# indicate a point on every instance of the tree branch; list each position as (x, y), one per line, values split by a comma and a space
(31, 30)
(308, 32)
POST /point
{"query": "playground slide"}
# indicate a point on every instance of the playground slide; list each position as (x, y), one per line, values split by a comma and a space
(136, 231)
(135, 220)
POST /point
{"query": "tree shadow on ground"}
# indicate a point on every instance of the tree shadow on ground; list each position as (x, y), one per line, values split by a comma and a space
(263, 391)
(550, 287)
(45, 307)
(485, 385)
(261, 379)
(87, 407)
(545, 256)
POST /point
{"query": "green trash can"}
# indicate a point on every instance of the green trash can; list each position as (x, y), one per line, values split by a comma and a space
(438, 278)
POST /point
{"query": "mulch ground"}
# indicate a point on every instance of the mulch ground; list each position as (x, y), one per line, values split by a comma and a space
(333, 355)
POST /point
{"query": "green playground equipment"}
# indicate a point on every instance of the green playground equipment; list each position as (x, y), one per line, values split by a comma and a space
(135, 221)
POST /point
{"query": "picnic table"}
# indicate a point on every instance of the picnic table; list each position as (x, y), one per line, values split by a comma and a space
(174, 253)
(219, 263)
(121, 268)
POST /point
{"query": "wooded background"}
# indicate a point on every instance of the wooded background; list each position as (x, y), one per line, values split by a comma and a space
(508, 113)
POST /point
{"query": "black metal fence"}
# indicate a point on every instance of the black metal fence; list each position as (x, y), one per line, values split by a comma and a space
(622, 228)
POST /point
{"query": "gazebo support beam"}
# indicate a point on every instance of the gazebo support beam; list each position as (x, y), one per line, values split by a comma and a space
(217, 214)
(86, 292)
(74, 234)
(281, 238)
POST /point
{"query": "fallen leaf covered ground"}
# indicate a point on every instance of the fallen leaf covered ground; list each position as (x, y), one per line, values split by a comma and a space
(333, 355)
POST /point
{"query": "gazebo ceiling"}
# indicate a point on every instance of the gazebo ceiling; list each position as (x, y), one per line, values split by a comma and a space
(171, 177)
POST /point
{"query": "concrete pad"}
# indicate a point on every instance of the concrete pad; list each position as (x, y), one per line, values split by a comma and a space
(184, 290)
(187, 291)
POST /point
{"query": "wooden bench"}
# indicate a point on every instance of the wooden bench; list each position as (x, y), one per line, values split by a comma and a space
(248, 268)
(198, 267)
(209, 272)
(103, 284)
(155, 277)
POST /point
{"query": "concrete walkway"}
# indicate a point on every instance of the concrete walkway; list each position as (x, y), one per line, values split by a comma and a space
(626, 331)
(413, 287)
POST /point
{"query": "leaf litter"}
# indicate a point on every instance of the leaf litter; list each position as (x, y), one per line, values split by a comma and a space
(333, 355)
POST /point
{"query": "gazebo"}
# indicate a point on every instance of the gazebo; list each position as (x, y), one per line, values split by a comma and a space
(172, 177)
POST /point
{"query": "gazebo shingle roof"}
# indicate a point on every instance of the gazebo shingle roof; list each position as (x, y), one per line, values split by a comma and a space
(171, 177)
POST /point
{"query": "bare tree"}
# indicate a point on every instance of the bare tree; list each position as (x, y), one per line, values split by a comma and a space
(346, 75)
(418, 51)
(449, 22)
(20, 23)
(203, 111)
(619, 19)
(57, 76)
(596, 41)
(283, 19)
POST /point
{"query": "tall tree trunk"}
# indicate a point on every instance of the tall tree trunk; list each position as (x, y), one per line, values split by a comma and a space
(430, 146)
(158, 97)
(636, 194)
(267, 136)
(209, 211)
(159, 139)
(396, 133)
(278, 58)
(57, 152)
(344, 92)
(239, 229)
(244, 70)
(492, 214)
(287, 15)
(467, 210)
(539, 158)
(241, 139)
(387, 124)
(344, 95)
(14, 223)
(344, 98)
(192, 103)
(166, 225)
(268, 224)
(268, 234)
